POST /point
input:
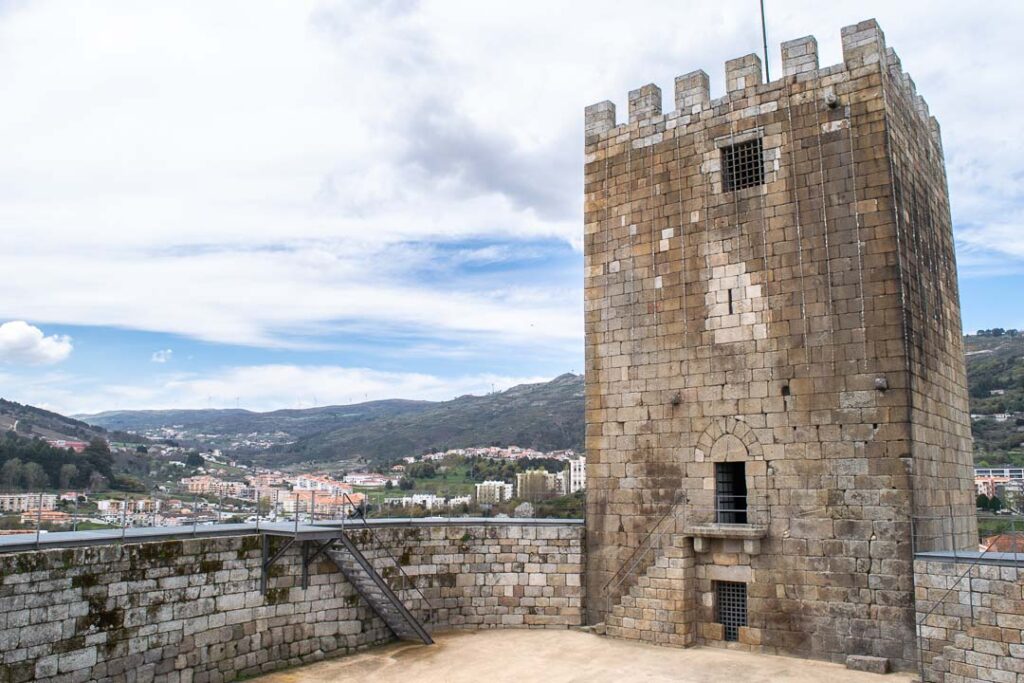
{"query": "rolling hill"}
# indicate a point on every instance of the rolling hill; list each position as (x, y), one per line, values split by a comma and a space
(294, 422)
(546, 416)
(29, 421)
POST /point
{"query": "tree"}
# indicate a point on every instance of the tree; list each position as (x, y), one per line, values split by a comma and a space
(97, 482)
(10, 473)
(141, 449)
(983, 502)
(388, 485)
(194, 460)
(406, 484)
(35, 476)
(995, 504)
(68, 475)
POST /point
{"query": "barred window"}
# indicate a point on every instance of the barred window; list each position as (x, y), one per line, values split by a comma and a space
(731, 607)
(742, 165)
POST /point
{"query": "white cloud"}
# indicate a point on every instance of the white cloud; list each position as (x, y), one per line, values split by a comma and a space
(268, 196)
(257, 387)
(162, 356)
(24, 344)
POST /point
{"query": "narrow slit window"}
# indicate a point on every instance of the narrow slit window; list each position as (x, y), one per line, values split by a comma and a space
(730, 302)
(731, 607)
(742, 165)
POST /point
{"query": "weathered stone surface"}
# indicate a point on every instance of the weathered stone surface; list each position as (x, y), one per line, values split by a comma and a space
(192, 610)
(807, 326)
(875, 665)
(971, 615)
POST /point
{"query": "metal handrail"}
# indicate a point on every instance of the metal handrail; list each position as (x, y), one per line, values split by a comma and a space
(634, 559)
(431, 610)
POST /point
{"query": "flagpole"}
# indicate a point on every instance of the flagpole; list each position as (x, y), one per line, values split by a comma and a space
(764, 39)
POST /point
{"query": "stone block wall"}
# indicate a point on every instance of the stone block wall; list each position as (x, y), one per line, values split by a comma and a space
(807, 326)
(191, 610)
(487, 576)
(970, 616)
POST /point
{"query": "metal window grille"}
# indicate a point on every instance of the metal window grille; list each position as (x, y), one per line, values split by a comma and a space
(742, 165)
(730, 493)
(731, 607)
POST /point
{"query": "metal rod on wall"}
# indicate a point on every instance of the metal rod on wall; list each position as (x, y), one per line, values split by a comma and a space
(764, 39)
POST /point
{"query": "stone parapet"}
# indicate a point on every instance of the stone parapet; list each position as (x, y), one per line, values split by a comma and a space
(192, 611)
(970, 616)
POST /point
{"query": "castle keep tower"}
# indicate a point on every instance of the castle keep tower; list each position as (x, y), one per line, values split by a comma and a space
(776, 396)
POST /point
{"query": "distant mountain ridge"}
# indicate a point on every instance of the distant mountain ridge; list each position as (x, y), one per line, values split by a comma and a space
(297, 422)
(545, 416)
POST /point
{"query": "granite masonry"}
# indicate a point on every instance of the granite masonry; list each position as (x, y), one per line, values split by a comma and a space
(970, 612)
(192, 610)
(776, 398)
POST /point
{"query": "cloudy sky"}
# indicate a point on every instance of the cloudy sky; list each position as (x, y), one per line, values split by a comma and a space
(281, 204)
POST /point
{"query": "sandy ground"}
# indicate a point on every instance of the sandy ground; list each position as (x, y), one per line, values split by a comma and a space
(538, 655)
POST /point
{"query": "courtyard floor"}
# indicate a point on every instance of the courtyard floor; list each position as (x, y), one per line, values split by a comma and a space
(547, 655)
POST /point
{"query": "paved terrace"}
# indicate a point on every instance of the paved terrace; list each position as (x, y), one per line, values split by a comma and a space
(534, 655)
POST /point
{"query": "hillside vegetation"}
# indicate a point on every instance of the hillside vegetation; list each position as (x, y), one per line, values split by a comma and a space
(995, 378)
(547, 416)
(294, 422)
(33, 464)
(32, 422)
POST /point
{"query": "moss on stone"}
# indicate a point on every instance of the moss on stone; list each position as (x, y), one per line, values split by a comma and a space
(154, 553)
(85, 581)
(67, 559)
(276, 596)
(68, 645)
(29, 562)
(99, 617)
(248, 544)
(17, 673)
(210, 566)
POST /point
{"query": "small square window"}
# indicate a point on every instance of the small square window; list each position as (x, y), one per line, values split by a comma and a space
(731, 607)
(742, 165)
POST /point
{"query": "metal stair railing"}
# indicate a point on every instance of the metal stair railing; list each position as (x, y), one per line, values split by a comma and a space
(380, 597)
(651, 541)
(407, 580)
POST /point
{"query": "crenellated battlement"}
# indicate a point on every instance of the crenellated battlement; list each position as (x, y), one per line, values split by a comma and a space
(863, 45)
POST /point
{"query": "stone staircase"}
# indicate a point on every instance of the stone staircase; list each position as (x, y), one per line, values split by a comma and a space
(658, 606)
(375, 590)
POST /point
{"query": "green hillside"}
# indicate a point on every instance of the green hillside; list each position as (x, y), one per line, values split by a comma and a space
(995, 378)
(546, 416)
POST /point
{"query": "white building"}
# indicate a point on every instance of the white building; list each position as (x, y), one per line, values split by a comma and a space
(22, 502)
(305, 482)
(577, 475)
(428, 501)
(369, 480)
(490, 492)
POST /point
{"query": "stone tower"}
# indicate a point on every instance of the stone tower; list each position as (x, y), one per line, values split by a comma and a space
(776, 398)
